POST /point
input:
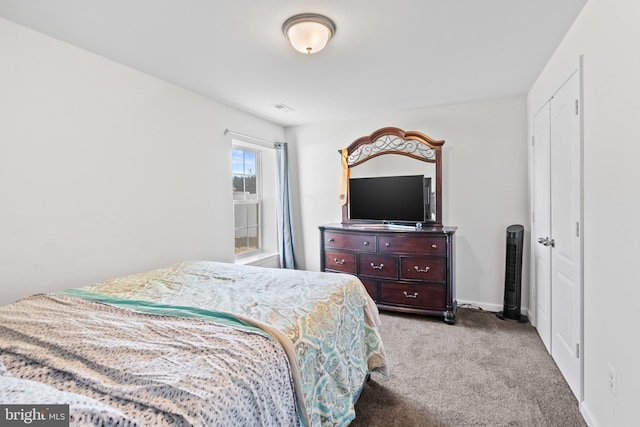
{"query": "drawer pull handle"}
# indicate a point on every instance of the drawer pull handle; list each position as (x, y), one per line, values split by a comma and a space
(434, 246)
(387, 244)
(366, 243)
(341, 262)
(331, 240)
(415, 295)
(426, 269)
(377, 267)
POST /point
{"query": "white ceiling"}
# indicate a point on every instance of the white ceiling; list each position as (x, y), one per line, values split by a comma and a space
(386, 55)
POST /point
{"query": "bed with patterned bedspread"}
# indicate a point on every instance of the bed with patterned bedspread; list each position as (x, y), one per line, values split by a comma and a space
(197, 343)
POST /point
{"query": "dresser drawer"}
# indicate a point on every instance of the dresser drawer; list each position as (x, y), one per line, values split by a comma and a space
(413, 294)
(430, 245)
(340, 261)
(378, 265)
(355, 241)
(372, 287)
(423, 268)
(402, 270)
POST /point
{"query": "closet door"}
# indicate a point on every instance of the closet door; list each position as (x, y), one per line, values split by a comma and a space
(541, 224)
(566, 221)
(556, 229)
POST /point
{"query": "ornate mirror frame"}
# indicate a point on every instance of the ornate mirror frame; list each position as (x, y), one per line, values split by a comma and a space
(391, 140)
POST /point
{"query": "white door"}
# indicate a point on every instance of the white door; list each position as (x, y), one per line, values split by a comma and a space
(541, 225)
(556, 229)
(566, 222)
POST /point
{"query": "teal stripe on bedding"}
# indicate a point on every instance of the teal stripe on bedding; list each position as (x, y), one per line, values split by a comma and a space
(167, 310)
(173, 310)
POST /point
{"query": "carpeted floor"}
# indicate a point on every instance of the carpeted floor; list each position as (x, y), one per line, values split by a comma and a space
(482, 371)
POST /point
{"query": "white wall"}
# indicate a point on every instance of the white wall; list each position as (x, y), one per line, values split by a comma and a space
(607, 33)
(484, 183)
(106, 171)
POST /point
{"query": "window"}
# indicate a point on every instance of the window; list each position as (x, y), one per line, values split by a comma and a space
(247, 200)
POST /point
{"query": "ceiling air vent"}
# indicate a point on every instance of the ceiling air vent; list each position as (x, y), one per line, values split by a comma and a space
(283, 107)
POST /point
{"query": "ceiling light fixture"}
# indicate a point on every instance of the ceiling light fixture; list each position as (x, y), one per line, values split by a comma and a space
(309, 32)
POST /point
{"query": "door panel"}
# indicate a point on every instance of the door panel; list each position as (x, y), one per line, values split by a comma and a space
(541, 222)
(563, 331)
(565, 222)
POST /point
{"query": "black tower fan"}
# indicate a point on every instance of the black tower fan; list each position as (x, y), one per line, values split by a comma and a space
(513, 275)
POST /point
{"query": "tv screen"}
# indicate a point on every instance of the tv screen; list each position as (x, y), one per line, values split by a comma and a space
(392, 198)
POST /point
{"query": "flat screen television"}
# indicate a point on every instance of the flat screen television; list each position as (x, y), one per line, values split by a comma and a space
(390, 198)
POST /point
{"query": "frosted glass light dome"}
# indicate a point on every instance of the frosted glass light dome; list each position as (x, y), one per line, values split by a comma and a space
(308, 32)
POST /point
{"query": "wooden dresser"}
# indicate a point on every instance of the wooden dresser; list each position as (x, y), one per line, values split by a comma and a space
(405, 270)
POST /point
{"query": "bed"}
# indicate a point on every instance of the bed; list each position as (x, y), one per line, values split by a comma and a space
(196, 343)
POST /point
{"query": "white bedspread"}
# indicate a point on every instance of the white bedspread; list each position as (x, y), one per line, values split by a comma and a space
(326, 322)
(159, 370)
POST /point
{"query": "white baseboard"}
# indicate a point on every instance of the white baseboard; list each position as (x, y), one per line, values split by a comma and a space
(488, 306)
(586, 414)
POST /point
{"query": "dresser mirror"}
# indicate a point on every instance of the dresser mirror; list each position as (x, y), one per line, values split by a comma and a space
(412, 154)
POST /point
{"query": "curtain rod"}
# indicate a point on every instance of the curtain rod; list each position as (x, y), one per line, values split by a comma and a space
(263, 142)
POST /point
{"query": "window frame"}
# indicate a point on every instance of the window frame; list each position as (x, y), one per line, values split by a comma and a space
(258, 201)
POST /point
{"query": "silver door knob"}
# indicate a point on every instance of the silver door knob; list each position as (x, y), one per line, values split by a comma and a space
(547, 242)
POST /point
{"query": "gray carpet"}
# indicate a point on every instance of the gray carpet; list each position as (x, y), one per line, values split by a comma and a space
(482, 371)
